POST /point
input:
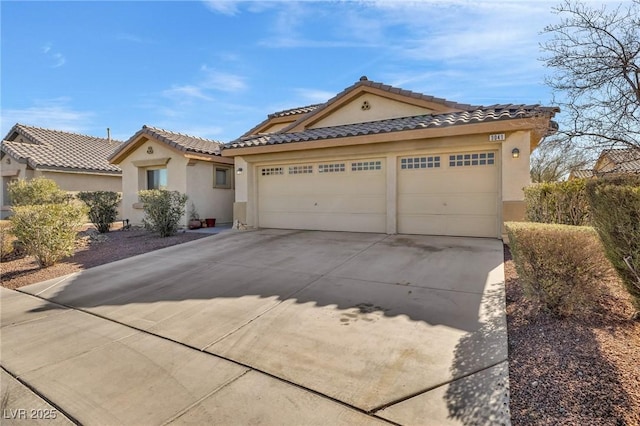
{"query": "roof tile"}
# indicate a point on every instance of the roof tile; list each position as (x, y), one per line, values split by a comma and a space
(58, 150)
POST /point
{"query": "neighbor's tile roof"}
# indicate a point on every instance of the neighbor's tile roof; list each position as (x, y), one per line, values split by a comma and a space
(581, 174)
(480, 115)
(185, 143)
(626, 160)
(58, 150)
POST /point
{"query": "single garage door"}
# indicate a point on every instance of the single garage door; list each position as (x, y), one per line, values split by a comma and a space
(332, 195)
(449, 194)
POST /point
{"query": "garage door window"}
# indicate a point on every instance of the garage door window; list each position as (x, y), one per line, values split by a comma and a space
(428, 162)
(477, 159)
(331, 168)
(366, 165)
(300, 170)
(269, 171)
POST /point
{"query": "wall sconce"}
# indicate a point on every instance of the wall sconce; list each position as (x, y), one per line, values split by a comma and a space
(239, 171)
(515, 153)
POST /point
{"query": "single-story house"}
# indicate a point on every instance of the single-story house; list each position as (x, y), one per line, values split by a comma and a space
(377, 158)
(75, 162)
(612, 161)
(160, 159)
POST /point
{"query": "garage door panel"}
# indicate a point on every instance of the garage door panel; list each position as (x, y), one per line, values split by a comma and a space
(441, 182)
(466, 225)
(323, 221)
(338, 198)
(449, 200)
(325, 204)
(473, 203)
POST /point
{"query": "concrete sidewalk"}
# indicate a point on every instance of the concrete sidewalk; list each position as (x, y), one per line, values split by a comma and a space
(272, 327)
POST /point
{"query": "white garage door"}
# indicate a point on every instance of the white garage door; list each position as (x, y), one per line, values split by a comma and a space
(449, 194)
(345, 195)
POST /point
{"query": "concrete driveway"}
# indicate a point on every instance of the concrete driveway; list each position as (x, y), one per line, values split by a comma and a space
(268, 327)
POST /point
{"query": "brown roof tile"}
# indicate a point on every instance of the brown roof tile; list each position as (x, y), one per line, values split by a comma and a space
(182, 142)
(480, 115)
(58, 150)
(626, 160)
(295, 111)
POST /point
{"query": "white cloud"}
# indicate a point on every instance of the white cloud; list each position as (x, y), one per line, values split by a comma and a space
(314, 96)
(185, 93)
(51, 113)
(225, 7)
(56, 58)
(222, 81)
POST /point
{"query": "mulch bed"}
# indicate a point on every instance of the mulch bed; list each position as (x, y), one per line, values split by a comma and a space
(573, 371)
(93, 249)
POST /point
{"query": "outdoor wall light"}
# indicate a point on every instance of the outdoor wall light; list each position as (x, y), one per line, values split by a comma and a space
(515, 153)
(239, 171)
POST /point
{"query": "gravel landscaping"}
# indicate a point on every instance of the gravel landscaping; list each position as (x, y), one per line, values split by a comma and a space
(582, 371)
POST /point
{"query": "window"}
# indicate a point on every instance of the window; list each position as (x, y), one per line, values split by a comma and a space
(299, 170)
(420, 162)
(478, 159)
(366, 165)
(331, 168)
(156, 178)
(269, 171)
(221, 177)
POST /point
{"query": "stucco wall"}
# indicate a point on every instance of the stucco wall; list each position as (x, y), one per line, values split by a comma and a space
(134, 178)
(378, 108)
(210, 202)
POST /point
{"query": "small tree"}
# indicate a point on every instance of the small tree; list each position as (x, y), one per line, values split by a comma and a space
(103, 208)
(43, 220)
(162, 210)
(36, 191)
(47, 231)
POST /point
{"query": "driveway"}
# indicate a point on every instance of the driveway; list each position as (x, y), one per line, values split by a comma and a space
(268, 327)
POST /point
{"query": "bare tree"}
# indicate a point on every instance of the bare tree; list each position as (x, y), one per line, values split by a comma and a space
(550, 163)
(594, 55)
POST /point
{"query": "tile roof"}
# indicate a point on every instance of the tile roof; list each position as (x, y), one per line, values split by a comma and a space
(58, 150)
(625, 160)
(182, 142)
(295, 111)
(480, 115)
(581, 174)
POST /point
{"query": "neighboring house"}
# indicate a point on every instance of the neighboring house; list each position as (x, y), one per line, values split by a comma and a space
(75, 162)
(376, 158)
(612, 161)
(159, 159)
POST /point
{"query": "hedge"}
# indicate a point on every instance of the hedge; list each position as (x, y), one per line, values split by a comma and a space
(558, 202)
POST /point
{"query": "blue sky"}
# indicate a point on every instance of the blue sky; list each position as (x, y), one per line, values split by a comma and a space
(216, 68)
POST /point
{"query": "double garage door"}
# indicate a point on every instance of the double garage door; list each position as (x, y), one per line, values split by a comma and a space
(436, 194)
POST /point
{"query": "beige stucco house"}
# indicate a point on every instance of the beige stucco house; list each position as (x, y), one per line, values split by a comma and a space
(75, 162)
(612, 161)
(377, 158)
(159, 159)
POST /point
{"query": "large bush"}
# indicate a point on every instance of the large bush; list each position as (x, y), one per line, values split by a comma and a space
(615, 211)
(559, 266)
(47, 231)
(6, 239)
(162, 210)
(103, 208)
(24, 192)
(558, 202)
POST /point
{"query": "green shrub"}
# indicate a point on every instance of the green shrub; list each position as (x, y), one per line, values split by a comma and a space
(559, 266)
(24, 192)
(558, 202)
(47, 231)
(6, 239)
(162, 210)
(103, 208)
(615, 207)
